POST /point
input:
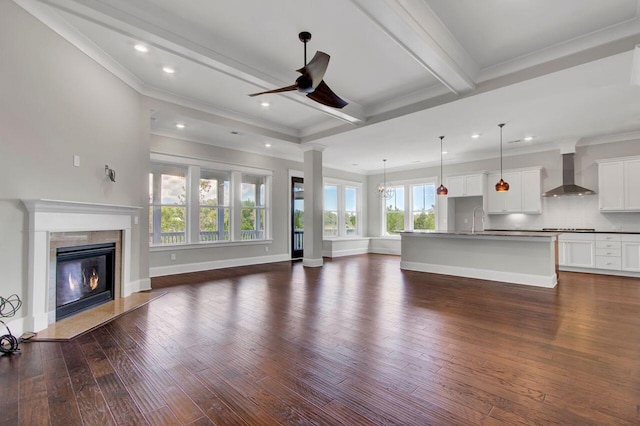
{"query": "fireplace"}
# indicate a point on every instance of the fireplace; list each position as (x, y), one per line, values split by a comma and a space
(55, 224)
(84, 277)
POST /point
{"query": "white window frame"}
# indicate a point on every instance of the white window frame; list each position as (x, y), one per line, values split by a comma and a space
(194, 167)
(408, 204)
(342, 228)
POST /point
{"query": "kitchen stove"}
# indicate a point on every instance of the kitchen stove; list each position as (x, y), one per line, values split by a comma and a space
(569, 229)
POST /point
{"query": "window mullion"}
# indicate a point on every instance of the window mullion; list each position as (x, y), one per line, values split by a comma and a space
(193, 204)
(235, 206)
(408, 208)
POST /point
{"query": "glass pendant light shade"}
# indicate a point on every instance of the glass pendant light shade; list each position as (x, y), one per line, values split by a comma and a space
(501, 186)
(442, 190)
(385, 190)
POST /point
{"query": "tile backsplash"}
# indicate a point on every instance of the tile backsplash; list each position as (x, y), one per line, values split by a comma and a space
(568, 212)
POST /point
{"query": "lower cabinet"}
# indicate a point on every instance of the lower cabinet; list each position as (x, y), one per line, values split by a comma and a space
(577, 250)
(613, 252)
(631, 253)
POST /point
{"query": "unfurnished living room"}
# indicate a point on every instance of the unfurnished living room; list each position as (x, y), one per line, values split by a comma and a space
(355, 212)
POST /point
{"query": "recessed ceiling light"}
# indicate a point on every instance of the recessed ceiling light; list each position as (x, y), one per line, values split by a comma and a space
(444, 152)
(180, 126)
(264, 104)
(355, 164)
(235, 132)
(268, 145)
(528, 138)
(168, 70)
(141, 48)
(475, 135)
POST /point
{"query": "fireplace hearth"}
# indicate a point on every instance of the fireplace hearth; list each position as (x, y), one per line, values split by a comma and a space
(84, 277)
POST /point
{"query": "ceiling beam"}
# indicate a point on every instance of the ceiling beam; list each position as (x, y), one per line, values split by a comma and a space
(415, 28)
(126, 18)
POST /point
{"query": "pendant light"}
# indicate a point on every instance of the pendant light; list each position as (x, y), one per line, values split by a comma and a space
(442, 190)
(501, 186)
(385, 190)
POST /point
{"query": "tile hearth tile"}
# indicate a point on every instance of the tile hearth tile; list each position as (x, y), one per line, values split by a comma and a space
(83, 322)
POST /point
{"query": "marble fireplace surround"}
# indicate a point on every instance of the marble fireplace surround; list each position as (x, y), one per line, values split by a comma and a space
(53, 216)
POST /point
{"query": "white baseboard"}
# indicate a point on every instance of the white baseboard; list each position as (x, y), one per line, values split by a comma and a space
(381, 250)
(160, 271)
(346, 252)
(313, 263)
(136, 286)
(483, 274)
(601, 271)
(17, 326)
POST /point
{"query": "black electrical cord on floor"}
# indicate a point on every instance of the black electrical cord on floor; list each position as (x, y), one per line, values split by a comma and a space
(8, 307)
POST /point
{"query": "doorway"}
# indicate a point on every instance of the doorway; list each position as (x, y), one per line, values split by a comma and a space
(297, 219)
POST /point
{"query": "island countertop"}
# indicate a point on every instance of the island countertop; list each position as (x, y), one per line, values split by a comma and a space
(480, 234)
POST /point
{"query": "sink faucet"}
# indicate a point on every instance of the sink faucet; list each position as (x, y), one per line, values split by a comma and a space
(473, 218)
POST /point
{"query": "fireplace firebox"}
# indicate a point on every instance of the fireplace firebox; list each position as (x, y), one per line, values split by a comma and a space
(84, 277)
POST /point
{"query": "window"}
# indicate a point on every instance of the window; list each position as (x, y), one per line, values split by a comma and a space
(214, 206)
(423, 207)
(412, 207)
(342, 209)
(192, 202)
(253, 207)
(351, 210)
(330, 211)
(395, 211)
(167, 204)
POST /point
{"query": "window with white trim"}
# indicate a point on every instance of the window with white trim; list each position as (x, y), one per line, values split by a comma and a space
(197, 202)
(412, 207)
(342, 209)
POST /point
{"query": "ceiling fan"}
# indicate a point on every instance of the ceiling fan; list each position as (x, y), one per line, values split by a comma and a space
(310, 82)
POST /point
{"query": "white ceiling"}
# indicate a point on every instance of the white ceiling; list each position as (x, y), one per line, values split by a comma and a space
(411, 70)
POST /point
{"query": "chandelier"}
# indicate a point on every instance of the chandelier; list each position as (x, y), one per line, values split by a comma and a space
(385, 189)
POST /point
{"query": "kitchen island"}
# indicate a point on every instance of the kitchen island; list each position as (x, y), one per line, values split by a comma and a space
(529, 258)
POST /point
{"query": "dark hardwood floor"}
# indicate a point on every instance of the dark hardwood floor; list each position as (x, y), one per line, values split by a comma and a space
(356, 342)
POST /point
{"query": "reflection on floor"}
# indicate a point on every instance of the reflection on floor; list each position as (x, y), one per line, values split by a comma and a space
(83, 322)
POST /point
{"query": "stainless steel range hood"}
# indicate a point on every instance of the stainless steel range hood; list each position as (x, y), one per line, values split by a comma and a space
(568, 186)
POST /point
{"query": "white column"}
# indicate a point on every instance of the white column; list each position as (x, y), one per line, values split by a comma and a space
(313, 206)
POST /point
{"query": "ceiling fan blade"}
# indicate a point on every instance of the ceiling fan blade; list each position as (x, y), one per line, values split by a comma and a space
(316, 68)
(325, 96)
(282, 89)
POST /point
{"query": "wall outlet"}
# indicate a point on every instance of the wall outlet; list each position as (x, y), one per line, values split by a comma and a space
(135, 220)
(266, 248)
(172, 256)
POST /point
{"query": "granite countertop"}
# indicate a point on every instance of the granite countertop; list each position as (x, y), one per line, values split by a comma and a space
(487, 233)
(565, 231)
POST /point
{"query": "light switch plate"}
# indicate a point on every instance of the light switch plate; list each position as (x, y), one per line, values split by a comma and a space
(76, 161)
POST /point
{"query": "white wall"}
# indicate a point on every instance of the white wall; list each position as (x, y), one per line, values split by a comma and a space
(198, 258)
(56, 102)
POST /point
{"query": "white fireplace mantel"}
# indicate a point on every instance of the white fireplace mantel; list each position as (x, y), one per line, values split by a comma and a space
(47, 216)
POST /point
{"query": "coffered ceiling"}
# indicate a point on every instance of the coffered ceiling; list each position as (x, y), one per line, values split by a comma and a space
(411, 70)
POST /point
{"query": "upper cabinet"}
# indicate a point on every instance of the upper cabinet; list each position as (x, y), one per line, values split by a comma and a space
(523, 196)
(467, 185)
(616, 179)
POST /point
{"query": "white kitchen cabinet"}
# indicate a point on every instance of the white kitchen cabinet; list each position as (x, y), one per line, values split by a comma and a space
(466, 185)
(610, 188)
(618, 184)
(523, 195)
(531, 192)
(630, 253)
(577, 250)
(632, 184)
(608, 252)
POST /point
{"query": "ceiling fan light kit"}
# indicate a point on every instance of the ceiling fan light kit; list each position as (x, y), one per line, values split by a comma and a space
(501, 186)
(311, 79)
